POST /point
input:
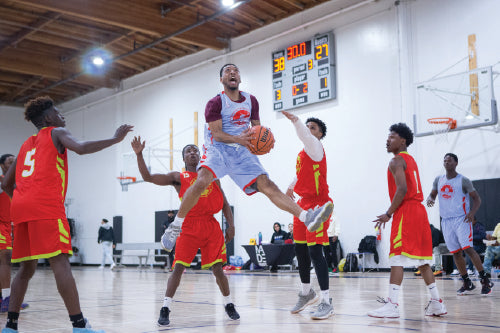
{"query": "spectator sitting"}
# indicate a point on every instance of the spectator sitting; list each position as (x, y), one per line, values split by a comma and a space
(493, 250)
(438, 248)
(279, 235)
(479, 233)
(290, 231)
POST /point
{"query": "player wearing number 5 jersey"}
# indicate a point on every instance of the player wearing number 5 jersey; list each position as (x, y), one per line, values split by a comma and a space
(40, 178)
(411, 240)
(312, 186)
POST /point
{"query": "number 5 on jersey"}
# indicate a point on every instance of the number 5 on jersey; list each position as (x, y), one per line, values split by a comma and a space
(29, 161)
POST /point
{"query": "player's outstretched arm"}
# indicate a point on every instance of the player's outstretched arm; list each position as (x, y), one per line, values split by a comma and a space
(9, 181)
(171, 178)
(62, 138)
(228, 214)
(312, 146)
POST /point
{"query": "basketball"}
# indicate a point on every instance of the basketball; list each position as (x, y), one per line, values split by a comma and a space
(263, 141)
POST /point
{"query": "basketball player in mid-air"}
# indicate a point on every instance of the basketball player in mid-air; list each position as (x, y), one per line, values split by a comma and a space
(455, 192)
(312, 186)
(227, 139)
(200, 230)
(411, 240)
(38, 180)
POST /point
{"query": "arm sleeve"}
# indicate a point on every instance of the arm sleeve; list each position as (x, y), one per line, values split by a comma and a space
(435, 184)
(255, 108)
(312, 146)
(213, 109)
(467, 186)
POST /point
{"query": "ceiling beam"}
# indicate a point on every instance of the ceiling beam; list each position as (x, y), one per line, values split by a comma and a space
(124, 14)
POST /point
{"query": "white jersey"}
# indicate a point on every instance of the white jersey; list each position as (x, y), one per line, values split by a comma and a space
(235, 117)
(453, 195)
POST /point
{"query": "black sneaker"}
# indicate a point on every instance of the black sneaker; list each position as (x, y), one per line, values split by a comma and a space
(487, 286)
(231, 312)
(163, 320)
(467, 287)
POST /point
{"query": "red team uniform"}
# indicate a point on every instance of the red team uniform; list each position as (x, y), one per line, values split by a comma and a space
(310, 172)
(410, 232)
(5, 221)
(41, 229)
(200, 229)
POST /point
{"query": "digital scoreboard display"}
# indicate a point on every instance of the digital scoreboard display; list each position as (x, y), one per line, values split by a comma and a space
(304, 73)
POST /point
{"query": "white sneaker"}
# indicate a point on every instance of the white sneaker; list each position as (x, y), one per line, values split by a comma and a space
(113, 265)
(455, 272)
(435, 308)
(170, 237)
(471, 272)
(389, 310)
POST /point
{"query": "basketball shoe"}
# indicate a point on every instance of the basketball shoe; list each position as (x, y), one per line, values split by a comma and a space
(304, 301)
(8, 330)
(467, 287)
(487, 286)
(231, 312)
(4, 307)
(164, 320)
(435, 308)
(324, 310)
(318, 215)
(170, 236)
(86, 329)
(388, 310)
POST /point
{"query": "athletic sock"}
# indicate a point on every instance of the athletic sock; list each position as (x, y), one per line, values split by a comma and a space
(302, 216)
(306, 288)
(167, 302)
(5, 292)
(178, 221)
(466, 278)
(77, 320)
(482, 274)
(325, 296)
(394, 293)
(226, 300)
(434, 291)
(12, 318)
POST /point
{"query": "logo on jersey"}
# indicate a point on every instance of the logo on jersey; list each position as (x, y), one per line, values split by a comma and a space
(446, 191)
(207, 191)
(240, 117)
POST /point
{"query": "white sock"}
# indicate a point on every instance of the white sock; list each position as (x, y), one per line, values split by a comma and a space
(325, 296)
(226, 300)
(306, 288)
(178, 221)
(303, 215)
(394, 293)
(434, 291)
(5, 292)
(167, 302)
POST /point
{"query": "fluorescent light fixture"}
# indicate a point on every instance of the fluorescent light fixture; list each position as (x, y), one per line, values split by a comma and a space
(227, 3)
(469, 117)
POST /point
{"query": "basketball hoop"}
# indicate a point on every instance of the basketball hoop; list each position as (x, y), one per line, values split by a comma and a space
(125, 181)
(442, 125)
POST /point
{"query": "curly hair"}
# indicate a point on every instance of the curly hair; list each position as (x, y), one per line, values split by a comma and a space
(4, 157)
(320, 123)
(35, 108)
(403, 131)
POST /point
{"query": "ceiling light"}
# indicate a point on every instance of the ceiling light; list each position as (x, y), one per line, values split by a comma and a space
(227, 3)
(98, 61)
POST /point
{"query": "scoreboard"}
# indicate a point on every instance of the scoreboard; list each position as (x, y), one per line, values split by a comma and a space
(304, 73)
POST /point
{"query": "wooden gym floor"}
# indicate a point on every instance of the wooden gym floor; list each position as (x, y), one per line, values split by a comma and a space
(129, 300)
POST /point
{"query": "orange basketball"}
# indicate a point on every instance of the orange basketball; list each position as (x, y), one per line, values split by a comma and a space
(263, 142)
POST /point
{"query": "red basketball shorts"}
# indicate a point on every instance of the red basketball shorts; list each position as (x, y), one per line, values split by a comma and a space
(41, 239)
(410, 232)
(5, 236)
(202, 233)
(300, 233)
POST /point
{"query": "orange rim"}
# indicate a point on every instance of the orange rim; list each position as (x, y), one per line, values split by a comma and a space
(452, 123)
(133, 179)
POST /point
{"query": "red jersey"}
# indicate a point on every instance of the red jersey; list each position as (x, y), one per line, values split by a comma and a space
(210, 201)
(413, 186)
(4, 205)
(310, 172)
(41, 180)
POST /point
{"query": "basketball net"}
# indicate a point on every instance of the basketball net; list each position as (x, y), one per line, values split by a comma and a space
(441, 126)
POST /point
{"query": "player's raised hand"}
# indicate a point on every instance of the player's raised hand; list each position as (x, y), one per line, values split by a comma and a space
(122, 131)
(137, 146)
(290, 116)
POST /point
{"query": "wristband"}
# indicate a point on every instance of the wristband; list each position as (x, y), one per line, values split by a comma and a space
(389, 215)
